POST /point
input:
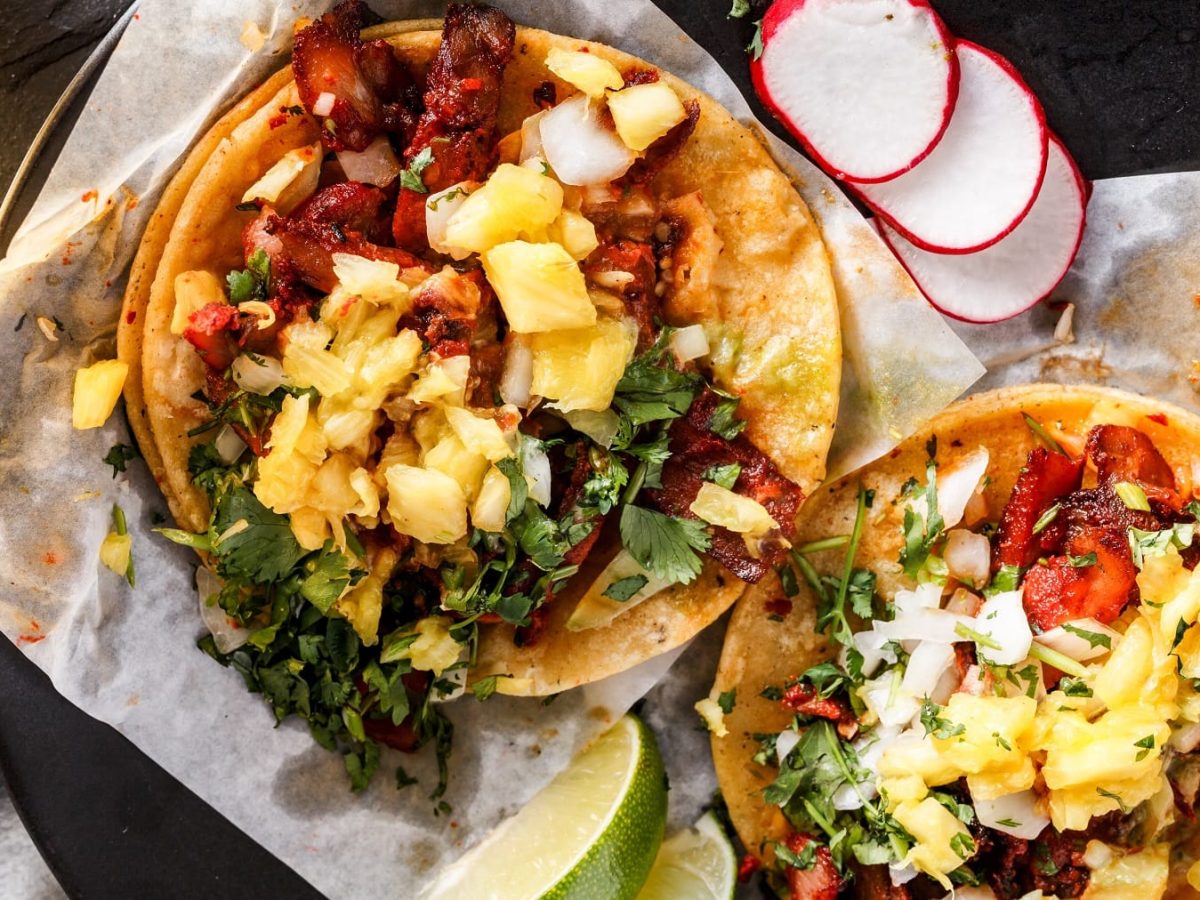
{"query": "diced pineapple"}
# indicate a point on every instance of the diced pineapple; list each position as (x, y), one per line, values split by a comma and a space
(1000, 782)
(452, 458)
(914, 754)
(374, 280)
(645, 112)
(362, 604)
(478, 435)
(97, 390)
(902, 789)
(331, 490)
(347, 428)
(721, 506)
(586, 71)
(712, 714)
(1173, 590)
(512, 686)
(994, 731)
(540, 287)
(284, 480)
(1188, 653)
(444, 381)
(1129, 666)
(490, 510)
(427, 504)
(515, 201)
(193, 291)
(310, 527)
(115, 551)
(383, 366)
(575, 232)
(435, 650)
(290, 181)
(942, 841)
(1143, 874)
(307, 362)
(579, 368)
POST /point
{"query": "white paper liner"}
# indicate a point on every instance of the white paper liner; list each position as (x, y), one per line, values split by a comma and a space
(128, 657)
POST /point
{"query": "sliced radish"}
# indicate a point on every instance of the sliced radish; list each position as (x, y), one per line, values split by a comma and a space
(1008, 277)
(867, 86)
(983, 175)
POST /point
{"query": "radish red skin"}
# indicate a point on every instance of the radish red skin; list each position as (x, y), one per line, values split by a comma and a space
(1085, 191)
(1040, 115)
(776, 15)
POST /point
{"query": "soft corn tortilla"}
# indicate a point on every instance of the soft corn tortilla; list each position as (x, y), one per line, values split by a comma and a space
(771, 312)
(760, 652)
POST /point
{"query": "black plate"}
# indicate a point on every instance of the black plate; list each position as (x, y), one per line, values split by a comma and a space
(1118, 79)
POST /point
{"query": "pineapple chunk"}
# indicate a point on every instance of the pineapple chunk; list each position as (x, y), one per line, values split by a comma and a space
(435, 650)
(450, 457)
(645, 112)
(288, 425)
(362, 605)
(1129, 667)
(427, 504)
(115, 551)
(575, 232)
(331, 490)
(1143, 874)
(368, 493)
(914, 754)
(1173, 590)
(444, 381)
(579, 368)
(902, 789)
(721, 506)
(97, 390)
(347, 428)
(292, 180)
(993, 730)
(374, 280)
(307, 362)
(193, 291)
(490, 510)
(383, 365)
(283, 481)
(515, 201)
(478, 435)
(586, 71)
(540, 287)
(712, 714)
(943, 842)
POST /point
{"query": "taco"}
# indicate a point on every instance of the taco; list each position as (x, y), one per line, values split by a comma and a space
(468, 352)
(977, 670)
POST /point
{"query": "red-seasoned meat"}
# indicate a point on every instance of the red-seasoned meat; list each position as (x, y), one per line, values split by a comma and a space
(1052, 863)
(368, 83)
(802, 698)
(694, 449)
(637, 259)
(402, 737)
(458, 126)
(1058, 592)
(666, 148)
(212, 331)
(875, 883)
(821, 881)
(1046, 478)
(1121, 453)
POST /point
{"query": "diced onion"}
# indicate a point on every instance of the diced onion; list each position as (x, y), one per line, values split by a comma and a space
(228, 445)
(324, 104)
(924, 596)
(376, 164)
(531, 137)
(1097, 855)
(258, 374)
(956, 484)
(785, 744)
(871, 645)
(893, 706)
(1022, 808)
(227, 634)
(936, 625)
(439, 208)
(926, 666)
(579, 147)
(689, 343)
(1075, 645)
(536, 466)
(964, 603)
(968, 557)
(901, 875)
(1002, 619)
(517, 378)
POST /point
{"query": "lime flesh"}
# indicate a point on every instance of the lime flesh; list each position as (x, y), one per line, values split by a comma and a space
(593, 832)
(697, 864)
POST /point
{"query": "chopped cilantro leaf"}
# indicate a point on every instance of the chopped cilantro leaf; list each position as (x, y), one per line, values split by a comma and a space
(922, 532)
(723, 476)
(1046, 518)
(739, 9)
(724, 421)
(936, 725)
(1074, 687)
(484, 687)
(1124, 807)
(624, 588)
(118, 455)
(803, 860)
(664, 545)
(755, 47)
(1094, 638)
(1132, 496)
(1146, 744)
(727, 700)
(411, 177)
(1081, 562)
(263, 550)
(253, 282)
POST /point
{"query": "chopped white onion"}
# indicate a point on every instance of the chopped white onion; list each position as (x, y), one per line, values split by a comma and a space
(955, 484)
(968, 557)
(324, 104)
(517, 378)
(1096, 855)
(785, 744)
(1002, 619)
(1186, 739)
(870, 644)
(976, 510)
(578, 145)
(964, 602)
(901, 875)
(531, 137)
(375, 164)
(926, 666)
(689, 343)
(925, 625)
(924, 596)
(536, 466)
(228, 445)
(439, 208)
(601, 426)
(227, 634)
(888, 700)
(1020, 815)
(1075, 645)
(258, 374)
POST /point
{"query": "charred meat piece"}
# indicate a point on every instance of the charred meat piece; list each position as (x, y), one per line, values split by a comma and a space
(819, 882)
(444, 311)
(694, 449)
(1046, 478)
(1052, 863)
(659, 154)
(458, 126)
(371, 89)
(212, 331)
(628, 267)
(1061, 592)
(803, 699)
(1121, 453)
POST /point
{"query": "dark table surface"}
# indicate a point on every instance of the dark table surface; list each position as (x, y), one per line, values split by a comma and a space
(1119, 80)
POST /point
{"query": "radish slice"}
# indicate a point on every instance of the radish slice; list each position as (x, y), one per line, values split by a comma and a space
(983, 175)
(867, 86)
(1011, 276)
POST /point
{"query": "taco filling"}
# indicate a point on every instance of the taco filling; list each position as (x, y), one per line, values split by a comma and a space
(1023, 715)
(442, 381)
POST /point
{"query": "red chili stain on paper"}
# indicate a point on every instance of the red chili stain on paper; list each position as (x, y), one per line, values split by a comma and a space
(89, 196)
(51, 558)
(33, 636)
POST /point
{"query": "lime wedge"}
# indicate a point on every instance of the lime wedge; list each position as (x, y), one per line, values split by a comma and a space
(698, 864)
(592, 832)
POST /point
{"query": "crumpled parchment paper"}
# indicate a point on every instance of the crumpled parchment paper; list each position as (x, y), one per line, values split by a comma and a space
(128, 656)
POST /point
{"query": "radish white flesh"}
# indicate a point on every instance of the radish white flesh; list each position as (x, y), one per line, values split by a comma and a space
(1007, 278)
(867, 86)
(983, 175)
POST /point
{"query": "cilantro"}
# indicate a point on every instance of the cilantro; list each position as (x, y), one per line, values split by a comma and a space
(727, 700)
(772, 692)
(449, 195)
(653, 388)
(262, 550)
(361, 765)
(921, 533)
(119, 525)
(411, 177)
(118, 455)
(827, 678)
(328, 575)
(484, 687)
(1124, 807)
(1094, 638)
(739, 9)
(755, 47)
(856, 586)
(403, 779)
(723, 476)
(514, 608)
(624, 588)
(1006, 579)
(1074, 687)
(963, 845)
(1146, 744)
(518, 487)
(936, 725)
(1145, 544)
(1046, 518)
(1000, 741)
(804, 860)
(665, 546)
(1132, 496)
(539, 537)
(1009, 823)
(724, 421)
(983, 640)
(1081, 562)
(766, 754)
(1043, 861)
(253, 282)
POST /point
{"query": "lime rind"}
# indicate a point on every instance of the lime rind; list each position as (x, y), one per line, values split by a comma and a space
(697, 863)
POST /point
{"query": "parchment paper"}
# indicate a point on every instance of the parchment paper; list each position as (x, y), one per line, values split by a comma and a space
(128, 656)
